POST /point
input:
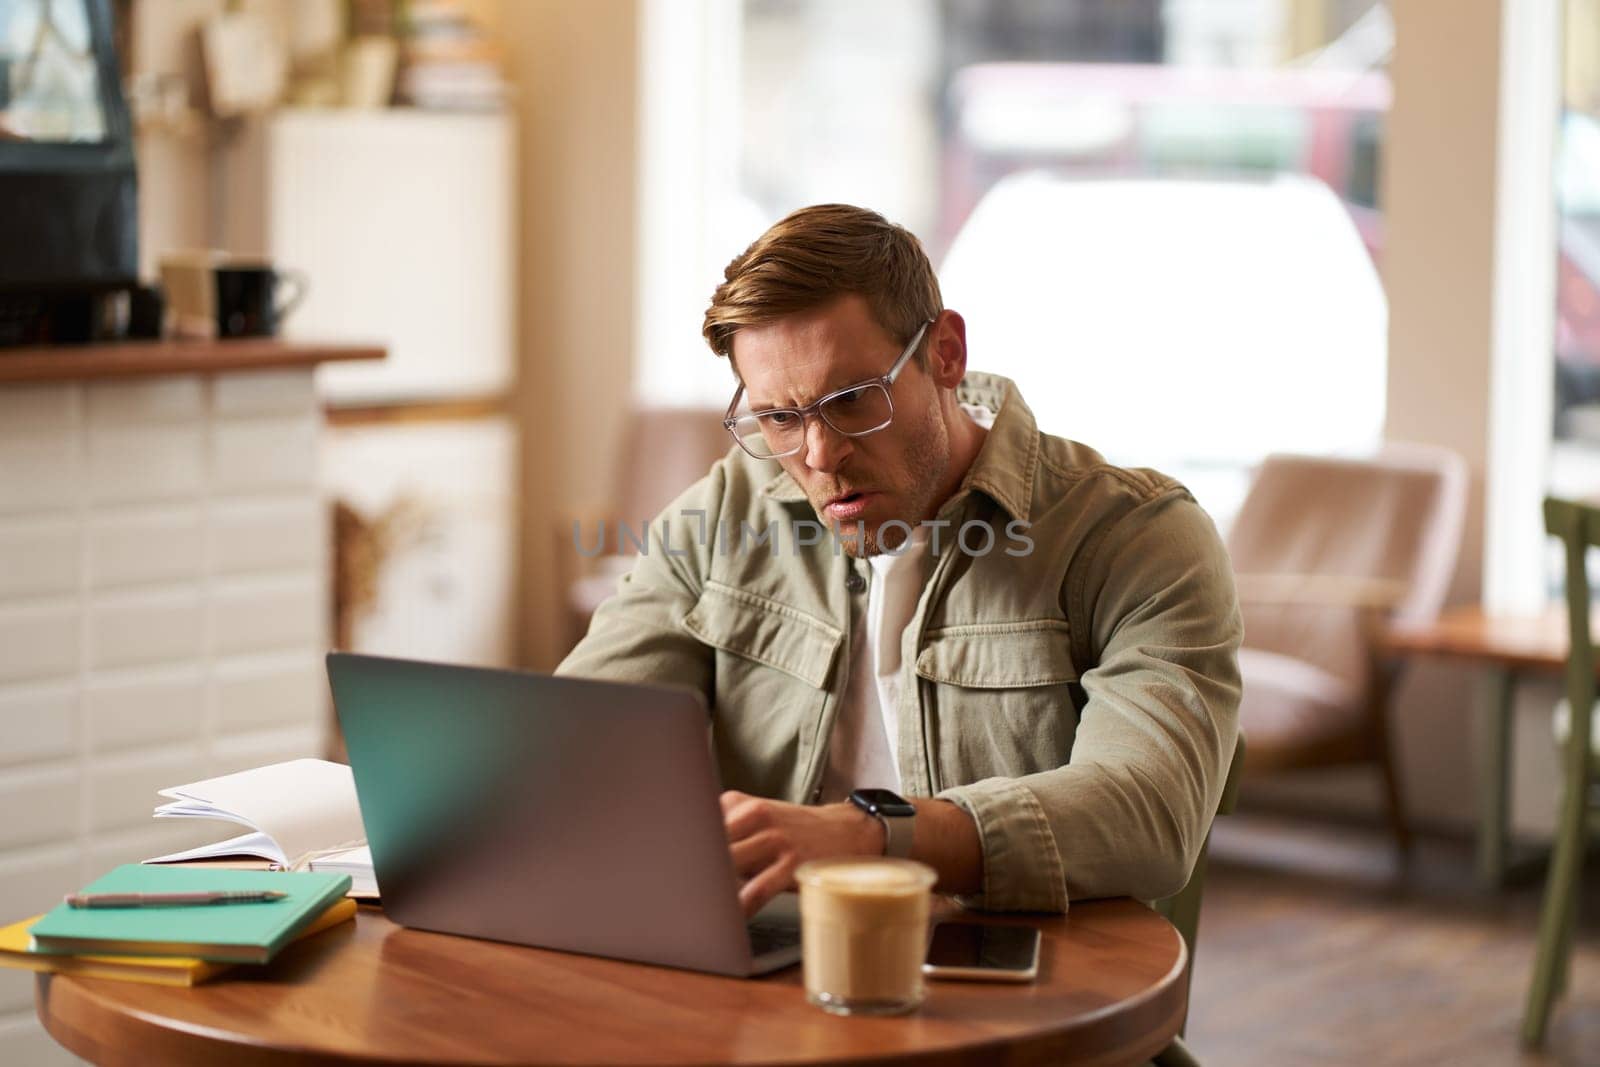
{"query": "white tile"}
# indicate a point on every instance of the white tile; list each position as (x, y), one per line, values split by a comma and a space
(146, 399)
(27, 1044)
(41, 804)
(122, 787)
(454, 461)
(32, 880)
(132, 548)
(145, 461)
(153, 627)
(277, 533)
(243, 751)
(258, 615)
(28, 410)
(273, 392)
(263, 454)
(144, 707)
(38, 557)
(38, 640)
(155, 837)
(39, 474)
(268, 691)
(37, 722)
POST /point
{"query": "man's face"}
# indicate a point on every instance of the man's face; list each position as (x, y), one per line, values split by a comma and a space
(897, 472)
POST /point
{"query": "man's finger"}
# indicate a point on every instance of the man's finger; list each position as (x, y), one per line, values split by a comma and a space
(769, 883)
(747, 819)
(751, 854)
(732, 798)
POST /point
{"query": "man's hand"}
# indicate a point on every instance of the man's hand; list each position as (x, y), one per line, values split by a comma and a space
(769, 839)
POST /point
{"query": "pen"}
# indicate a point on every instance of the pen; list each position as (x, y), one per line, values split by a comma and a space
(168, 900)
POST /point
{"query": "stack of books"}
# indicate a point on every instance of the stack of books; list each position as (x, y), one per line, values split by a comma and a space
(299, 815)
(176, 925)
(446, 62)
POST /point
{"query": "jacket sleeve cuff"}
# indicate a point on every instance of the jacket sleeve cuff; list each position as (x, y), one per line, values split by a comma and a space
(1021, 866)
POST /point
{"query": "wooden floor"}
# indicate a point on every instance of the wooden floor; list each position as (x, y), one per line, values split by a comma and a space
(1315, 949)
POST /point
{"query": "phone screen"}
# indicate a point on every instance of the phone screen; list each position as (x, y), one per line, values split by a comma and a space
(983, 946)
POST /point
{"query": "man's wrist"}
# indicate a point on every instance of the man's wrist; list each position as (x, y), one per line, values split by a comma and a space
(894, 813)
(871, 836)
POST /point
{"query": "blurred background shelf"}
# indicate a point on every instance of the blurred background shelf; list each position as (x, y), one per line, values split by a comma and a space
(132, 359)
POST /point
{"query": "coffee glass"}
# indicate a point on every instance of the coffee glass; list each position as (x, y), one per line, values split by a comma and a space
(863, 933)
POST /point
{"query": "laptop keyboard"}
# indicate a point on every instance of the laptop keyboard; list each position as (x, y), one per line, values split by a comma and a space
(770, 937)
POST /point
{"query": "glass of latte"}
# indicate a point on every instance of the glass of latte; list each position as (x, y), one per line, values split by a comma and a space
(864, 931)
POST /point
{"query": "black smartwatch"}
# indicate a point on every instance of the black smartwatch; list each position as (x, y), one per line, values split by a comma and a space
(894, 811)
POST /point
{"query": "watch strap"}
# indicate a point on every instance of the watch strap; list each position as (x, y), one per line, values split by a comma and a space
(897, 833)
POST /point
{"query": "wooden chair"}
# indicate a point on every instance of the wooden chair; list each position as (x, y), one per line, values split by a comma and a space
(1327, 552)
(1183, 908)
(1578, 526)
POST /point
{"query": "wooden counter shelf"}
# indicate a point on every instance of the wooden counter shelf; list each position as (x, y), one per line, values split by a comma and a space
(135, 359)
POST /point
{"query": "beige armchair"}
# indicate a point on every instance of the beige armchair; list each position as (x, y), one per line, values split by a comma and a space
(1327, 552)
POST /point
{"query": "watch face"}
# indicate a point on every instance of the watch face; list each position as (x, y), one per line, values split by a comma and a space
(883, 802)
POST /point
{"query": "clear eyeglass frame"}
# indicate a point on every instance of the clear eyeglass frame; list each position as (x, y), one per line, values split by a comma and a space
(752, 421)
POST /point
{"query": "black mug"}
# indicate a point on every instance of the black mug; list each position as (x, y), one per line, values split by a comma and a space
(248, 301)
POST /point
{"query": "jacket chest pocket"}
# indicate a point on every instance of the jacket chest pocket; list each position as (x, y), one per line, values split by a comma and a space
(773, 667)
(998, 698)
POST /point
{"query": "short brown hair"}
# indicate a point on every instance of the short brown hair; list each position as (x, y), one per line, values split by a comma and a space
(815, 255)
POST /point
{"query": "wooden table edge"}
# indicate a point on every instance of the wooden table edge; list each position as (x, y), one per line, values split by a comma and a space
(176, 1040)
(1525, 640)
(1174, 985)
(1152, 1018)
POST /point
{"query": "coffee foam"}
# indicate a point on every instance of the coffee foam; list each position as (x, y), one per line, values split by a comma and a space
(870, 879)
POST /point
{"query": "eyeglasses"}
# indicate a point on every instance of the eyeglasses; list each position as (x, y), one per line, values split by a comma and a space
(854, 411)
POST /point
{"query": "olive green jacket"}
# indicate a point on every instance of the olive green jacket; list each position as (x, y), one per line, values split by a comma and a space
(1079, 700)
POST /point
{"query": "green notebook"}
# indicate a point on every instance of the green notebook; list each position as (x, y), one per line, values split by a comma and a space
(237, 933)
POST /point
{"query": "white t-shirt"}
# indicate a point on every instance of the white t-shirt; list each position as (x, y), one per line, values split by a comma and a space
(863, 751)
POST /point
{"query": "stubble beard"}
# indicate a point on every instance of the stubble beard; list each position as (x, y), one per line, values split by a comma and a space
(928, 454)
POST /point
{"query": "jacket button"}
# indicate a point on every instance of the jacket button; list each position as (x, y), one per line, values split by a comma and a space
(855, 583)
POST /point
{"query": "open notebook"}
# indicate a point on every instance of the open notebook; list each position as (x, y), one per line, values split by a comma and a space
(300, 815)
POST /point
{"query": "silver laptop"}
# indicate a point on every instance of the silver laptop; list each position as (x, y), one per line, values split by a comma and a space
(559, 812)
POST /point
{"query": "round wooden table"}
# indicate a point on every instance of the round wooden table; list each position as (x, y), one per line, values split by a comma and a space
(1111, 989)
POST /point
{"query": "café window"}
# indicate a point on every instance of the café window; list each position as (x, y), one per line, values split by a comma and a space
(1577, 178)
(49, 83)
(1574, 458)
(1160, 218)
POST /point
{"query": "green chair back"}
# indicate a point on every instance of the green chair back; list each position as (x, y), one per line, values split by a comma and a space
(1182, 909)
(1578, 526)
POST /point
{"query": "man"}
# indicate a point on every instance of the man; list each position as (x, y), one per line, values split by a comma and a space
(1037, 647)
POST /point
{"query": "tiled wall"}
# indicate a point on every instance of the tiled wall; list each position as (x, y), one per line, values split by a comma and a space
(162, 619)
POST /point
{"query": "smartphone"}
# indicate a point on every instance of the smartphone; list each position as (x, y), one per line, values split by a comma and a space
(985, 951)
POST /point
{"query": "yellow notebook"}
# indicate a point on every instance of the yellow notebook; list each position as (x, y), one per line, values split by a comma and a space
(16, 951)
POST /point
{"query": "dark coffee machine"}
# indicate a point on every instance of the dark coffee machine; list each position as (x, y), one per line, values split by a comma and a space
(68, 252)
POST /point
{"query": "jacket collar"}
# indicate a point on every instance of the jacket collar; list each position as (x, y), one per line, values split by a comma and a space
(1004, 468)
